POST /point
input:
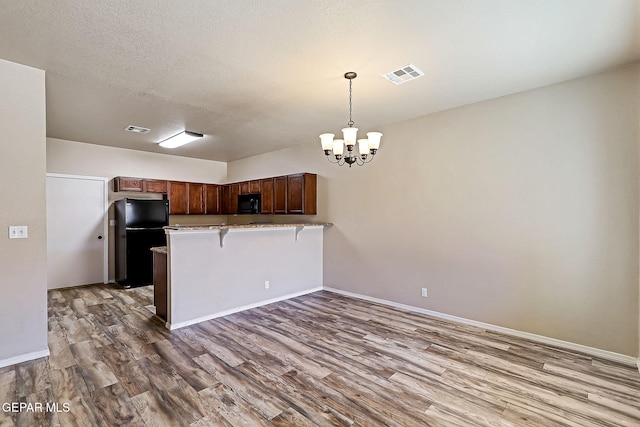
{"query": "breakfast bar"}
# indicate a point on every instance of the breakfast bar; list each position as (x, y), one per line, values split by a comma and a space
(215, 270)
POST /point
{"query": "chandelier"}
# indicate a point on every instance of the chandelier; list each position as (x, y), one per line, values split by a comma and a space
(367, 148)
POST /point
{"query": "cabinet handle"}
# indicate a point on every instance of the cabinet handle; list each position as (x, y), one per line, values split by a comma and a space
(99, 237)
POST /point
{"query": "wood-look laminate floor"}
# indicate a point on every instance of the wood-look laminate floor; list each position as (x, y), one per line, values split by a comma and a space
(320, 359)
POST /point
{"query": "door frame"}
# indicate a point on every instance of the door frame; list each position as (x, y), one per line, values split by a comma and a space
(105, 215)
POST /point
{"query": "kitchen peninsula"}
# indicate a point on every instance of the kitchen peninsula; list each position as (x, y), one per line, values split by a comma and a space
(215, 270)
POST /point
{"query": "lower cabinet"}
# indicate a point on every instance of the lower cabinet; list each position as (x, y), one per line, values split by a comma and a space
(160, 284)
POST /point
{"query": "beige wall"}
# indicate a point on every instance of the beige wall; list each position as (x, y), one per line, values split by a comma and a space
(520, 212)
(77, 158)
(23, 262)
(207, 280)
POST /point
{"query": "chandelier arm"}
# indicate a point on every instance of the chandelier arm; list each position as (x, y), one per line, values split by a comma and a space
(334, 162)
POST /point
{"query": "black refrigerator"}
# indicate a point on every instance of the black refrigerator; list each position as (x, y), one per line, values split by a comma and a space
(138, 228)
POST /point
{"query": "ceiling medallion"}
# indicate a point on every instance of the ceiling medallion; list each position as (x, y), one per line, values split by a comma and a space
(367, 148)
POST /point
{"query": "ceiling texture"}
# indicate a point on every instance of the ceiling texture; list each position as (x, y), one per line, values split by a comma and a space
(260, 75)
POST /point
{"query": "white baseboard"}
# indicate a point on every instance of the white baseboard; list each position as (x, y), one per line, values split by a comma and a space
(592, 351)
(24, 358)
(173, 326)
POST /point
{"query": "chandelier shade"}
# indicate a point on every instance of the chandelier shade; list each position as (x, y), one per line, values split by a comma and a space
(334, 148)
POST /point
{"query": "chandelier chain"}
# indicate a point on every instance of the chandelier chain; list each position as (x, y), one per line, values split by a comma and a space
(350, 123)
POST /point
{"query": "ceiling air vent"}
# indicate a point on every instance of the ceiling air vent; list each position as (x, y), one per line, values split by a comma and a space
(136, 129)
(405, 74)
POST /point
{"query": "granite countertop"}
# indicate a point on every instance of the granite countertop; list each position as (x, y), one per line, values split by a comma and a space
(231, 226)
(160, 249)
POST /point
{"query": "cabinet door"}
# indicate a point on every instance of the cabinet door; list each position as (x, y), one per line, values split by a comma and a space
(301, 194)
(295, 194)
(309, 204)
(254, 186)
(280, 195)
(160, 284)
(123, 183)
(225, 199)
(196, 198)
(212, 199)
(244, 187)
(178, 197)
(267, 196)
(233, 199)
(155, 186)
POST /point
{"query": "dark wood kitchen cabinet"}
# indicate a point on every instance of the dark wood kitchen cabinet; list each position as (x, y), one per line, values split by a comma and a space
(212, 199)
(266, 196)
(225, 199)
(250, 187)
(154, 186)
(123, 183)
(280, 195)
(254, 186)
(160, 283)
(178, 197)
(195, 200)
(301, 194)
(288, 194)
(233, 198)
(244, 187)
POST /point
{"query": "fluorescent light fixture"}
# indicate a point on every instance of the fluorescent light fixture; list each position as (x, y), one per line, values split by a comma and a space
(180, 139)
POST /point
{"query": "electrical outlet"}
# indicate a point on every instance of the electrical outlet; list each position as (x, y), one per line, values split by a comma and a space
(424, 292)
(266, 284)
(18, 232)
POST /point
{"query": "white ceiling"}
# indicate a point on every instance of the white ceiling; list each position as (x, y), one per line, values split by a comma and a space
(259, 75)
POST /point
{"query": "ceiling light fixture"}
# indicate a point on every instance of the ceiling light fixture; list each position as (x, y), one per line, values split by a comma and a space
(367, 148)
(180, 139)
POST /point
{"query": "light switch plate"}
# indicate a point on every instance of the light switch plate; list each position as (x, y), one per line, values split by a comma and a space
(18, 232)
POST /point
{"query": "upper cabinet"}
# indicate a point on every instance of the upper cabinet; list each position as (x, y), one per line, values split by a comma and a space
(254, 186)
(233, 198)
(212, 199)
(281, 195)
(154, 186)
(301, 194)
(123, 183)
(249, 187)
(178, 198)
(196, 198)
(267, 196)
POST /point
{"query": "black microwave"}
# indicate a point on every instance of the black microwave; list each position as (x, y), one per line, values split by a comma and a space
(249, 204)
